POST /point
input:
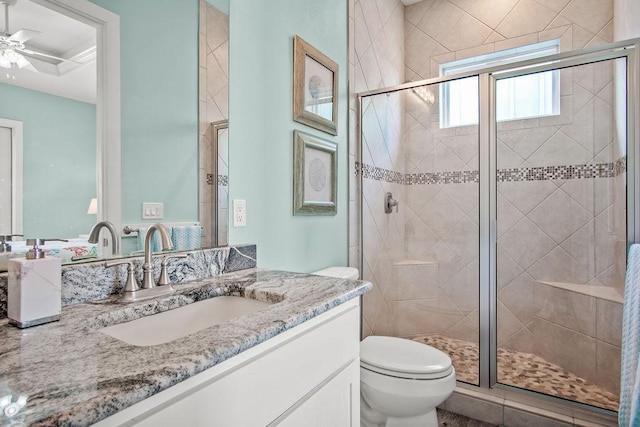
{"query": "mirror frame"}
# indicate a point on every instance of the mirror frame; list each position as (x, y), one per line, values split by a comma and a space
(108, 161)
(216, 127)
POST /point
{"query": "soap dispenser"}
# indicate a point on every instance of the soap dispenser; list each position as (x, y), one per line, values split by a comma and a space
(35, 291)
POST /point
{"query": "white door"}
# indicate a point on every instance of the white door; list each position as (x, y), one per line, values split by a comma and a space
(5, 180)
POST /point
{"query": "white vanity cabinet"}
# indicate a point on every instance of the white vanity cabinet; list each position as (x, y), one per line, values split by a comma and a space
(306, 376)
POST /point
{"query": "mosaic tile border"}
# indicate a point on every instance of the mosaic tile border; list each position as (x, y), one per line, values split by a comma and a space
(544, 173)
(223, 180)
(541, 173)
(380, 174)
(458, 177)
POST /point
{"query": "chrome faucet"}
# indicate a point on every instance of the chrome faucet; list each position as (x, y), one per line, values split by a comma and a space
(94, 236)
(147, 267)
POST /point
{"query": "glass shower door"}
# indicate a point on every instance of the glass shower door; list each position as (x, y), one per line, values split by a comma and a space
(561, 230)
(421, 146)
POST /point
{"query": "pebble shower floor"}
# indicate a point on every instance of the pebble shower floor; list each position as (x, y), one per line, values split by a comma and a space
(524, 370)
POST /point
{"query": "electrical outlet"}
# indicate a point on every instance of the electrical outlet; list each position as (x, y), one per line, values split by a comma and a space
(239, 213)
(152, 210)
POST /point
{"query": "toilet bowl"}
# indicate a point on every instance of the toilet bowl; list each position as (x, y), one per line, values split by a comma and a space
(402, 382)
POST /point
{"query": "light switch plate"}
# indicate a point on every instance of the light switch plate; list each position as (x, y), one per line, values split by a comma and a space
(239, 213)
(152, 210)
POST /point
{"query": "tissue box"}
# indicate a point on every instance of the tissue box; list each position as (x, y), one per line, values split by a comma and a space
(34, 292)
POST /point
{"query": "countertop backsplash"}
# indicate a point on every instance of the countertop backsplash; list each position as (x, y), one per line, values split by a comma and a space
(92, 281)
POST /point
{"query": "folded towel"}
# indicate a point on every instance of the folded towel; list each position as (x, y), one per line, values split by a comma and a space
(187, 237)
(156, 240)
(628, 415)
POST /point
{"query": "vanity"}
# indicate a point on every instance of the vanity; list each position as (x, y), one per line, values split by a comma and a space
(282, 359)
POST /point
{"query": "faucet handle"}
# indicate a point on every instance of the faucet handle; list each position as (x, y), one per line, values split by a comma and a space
(164, 275)
(4, 242)
(131, 285)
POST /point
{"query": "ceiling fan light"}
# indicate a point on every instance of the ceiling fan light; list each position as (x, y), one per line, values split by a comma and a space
(21, 61)
(4, 62)
(11, 55)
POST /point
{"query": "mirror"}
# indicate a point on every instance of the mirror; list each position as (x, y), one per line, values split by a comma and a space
(214, 123)
(173, 129)
(61, 101)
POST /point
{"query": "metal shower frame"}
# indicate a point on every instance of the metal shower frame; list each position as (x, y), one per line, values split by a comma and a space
(629, 49)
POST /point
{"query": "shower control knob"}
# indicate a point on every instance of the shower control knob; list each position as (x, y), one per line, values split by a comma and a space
(389, 203)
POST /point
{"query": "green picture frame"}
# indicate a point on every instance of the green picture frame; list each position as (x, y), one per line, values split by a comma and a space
(315, 175)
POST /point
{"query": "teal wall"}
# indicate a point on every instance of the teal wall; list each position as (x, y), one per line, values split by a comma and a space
(159, 119)
(261, 129)
(57, 186)
(159, 105)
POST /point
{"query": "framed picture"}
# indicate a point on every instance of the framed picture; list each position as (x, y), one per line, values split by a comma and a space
(314, 175)
(315, 88)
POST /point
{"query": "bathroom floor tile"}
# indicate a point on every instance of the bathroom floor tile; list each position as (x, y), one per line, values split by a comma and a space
(523, 370)
(449, 419)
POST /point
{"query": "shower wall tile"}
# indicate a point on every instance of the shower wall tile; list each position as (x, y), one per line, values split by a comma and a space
(414, 280)
(463, 291)
(507, 268)
(520, 341)
(608, 359)
(565, 308)
(552, 341)
(559, 216)
(424, 317)
(468, 329)
(518, 296)
(526, 243)
(609, 322)
(558, 266)
(526, 195)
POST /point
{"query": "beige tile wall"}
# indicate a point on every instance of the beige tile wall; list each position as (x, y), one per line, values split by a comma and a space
(213, 88)
(376, 60)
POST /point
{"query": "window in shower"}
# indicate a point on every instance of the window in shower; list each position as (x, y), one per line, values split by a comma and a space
(526, 96)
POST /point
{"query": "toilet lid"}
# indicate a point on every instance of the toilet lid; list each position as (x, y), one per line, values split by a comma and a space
(403, 358)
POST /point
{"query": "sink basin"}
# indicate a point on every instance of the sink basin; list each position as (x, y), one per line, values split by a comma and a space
(170, 325)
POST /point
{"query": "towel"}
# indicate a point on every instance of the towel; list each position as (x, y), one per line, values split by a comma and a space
(630, 376)
(156, 241)
(186, 237)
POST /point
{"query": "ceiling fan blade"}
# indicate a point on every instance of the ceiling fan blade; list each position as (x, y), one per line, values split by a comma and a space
(24, 35)
(35, 53)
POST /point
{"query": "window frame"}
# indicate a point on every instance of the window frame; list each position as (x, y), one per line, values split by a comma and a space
(480, 62)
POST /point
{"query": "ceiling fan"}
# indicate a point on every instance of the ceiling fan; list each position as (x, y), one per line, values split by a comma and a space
(12, 48)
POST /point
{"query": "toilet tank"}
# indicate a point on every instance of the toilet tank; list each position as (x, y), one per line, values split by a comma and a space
(341, 272)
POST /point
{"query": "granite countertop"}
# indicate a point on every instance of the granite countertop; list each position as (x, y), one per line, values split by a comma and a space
(71, 374)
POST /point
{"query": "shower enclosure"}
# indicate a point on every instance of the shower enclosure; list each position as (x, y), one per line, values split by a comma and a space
(516, 205)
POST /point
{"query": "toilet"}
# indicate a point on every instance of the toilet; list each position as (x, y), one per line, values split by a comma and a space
(401, 381)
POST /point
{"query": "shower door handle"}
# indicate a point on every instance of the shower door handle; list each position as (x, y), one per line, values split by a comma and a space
(389, 203)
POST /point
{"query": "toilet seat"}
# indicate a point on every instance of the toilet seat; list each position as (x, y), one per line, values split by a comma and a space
(402, 358)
